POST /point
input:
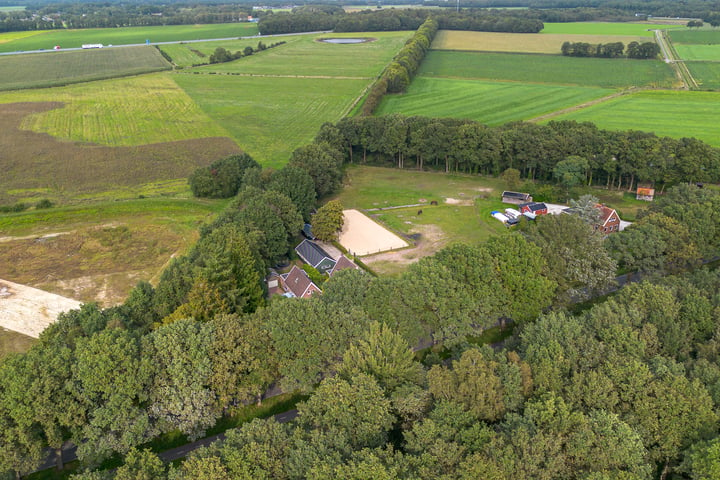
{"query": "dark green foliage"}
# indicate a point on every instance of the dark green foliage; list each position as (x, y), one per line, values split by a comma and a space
(296, 183)
(223, 178)
(323, 162)
(43, 204)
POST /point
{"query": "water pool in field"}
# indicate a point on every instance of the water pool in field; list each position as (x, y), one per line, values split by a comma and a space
(345, 40)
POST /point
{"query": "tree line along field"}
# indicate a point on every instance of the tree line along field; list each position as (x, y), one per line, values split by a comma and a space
(700, 49)
(62, 68)
(122, 36)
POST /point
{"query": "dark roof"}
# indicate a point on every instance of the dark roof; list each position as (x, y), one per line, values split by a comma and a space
(312, 254)
(518, 195)
(534, 206)
(342, 263)
(307, 231)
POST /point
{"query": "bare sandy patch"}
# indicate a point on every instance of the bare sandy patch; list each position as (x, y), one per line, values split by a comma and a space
(431, 238)
(363, 236)
(28, 310)
(456, 201)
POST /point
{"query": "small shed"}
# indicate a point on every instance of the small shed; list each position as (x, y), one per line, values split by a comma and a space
(645, 193)
(516, 197)
(536, 208)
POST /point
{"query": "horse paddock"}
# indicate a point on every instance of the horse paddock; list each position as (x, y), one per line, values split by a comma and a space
(361, 235)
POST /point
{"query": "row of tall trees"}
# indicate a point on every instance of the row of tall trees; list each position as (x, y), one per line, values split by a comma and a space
(614, 159)
(642, 51)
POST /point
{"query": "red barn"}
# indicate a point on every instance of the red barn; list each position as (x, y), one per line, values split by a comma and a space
(537, 208)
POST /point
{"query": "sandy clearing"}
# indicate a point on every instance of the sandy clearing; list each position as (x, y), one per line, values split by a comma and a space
(362, 236)
(28, 310)
(432, 239)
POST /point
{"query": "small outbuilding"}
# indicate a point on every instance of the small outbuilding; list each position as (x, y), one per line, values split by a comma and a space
(343, 263)
(536, 208)
(516, 197)
(645, 193)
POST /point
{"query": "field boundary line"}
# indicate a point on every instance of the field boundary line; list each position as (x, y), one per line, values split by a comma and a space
(270, 75)
(580, 106)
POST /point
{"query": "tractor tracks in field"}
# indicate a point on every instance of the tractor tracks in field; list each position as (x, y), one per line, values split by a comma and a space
(580, 106)
(266, 75)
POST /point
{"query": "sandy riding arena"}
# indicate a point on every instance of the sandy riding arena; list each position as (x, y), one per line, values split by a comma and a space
(28, 310)
(362, 236)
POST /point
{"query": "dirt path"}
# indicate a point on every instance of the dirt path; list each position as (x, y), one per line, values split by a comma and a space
(575, 108)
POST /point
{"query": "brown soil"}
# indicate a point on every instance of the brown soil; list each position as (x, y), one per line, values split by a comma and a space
(432, 239)
(37, 160)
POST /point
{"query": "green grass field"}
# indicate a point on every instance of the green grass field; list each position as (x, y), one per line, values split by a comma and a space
(693, 52)
(639, 29)
(305, 56)
(120, 112)
(666, 113)
(125, 36)
(707, 74)
(695, 36)
(62, 68)
(269, 117)
(556, 69)
(550, 43)
(492, 103)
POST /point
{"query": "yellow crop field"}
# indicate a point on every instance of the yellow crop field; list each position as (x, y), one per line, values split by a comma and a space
(10, 36)
(518, 42)
(149, 109)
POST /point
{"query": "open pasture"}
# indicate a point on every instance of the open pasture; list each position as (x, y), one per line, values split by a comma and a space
(304, 55)
(707, 74)
(639, 29)
(269, 117)
(691, 36)
(519, 42)
(555, 69)
(492, 103)
(666, 113)
(36, 165)
(694, 52)
(62, 68)
(10, 36)
(126, 35)
(120, 112)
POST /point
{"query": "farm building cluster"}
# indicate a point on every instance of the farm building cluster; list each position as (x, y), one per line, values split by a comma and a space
(608, 219)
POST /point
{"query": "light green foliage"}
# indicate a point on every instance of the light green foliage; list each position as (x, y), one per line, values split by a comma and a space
(199, 467)
(62, 68)
(384, 355)
(180, 395)
(702, 461)
(141, 465)
(328, 221)
(511, 177)
(355, 409)
(572, 171)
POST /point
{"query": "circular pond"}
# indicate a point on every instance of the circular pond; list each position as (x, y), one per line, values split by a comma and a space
(345, 40)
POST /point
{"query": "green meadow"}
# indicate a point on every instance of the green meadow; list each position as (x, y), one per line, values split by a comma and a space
(695, 36)
(605, 28)
(693, 52)
(269, 117)
(666, 113)
(707, 74)
(62, 68)
(125, 35)
(492, 103)
(556, 69)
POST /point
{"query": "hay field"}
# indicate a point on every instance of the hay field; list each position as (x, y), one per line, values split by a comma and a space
(269, 117)
(492, 103)
(121, 112)
(63, 68)
(127, 35)
(666, 113)
(519, 42)
(552, 69)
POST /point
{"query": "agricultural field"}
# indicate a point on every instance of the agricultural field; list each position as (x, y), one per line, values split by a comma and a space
(639, 29)
(666, 113)
(691, 36)
(492, 103)
(549, 43)
(692, 52)
(11, 36)
(269, 117)
(707, 74)
(62, 68)
(554, 69)
(37, 166)
(125, 36)
(96, 113)
(306, 56)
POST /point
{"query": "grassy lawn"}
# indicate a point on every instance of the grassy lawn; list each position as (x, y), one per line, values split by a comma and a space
(520, 42)
(62, 68)
(672, 113)
(303, 55)
(269, 117)
(125, 36)
(707, 74)
(556, 69)
(639, 29)
(492, 103)
(692, 52)
(151, 109)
